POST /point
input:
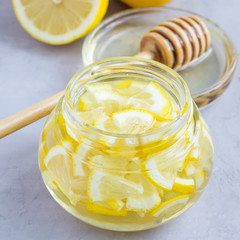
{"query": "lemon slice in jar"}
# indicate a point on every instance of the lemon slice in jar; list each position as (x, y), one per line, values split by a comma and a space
(79, 158)
(87, 101)
(146, 201)
(129, 87)
(58, 163)
(162, 178)
(59, 21)
(104, 185)
(110, 100)
(91, 115)
(154, 99)
(105, 210)
(133, 120)
(183, 185)
(199, 179)
(171, 206)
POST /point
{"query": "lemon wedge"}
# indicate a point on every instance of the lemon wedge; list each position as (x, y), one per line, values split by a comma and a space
(146, 201)
(171, 206)
(103, 210)
(133, 120)
(59, 21)
(183, 185)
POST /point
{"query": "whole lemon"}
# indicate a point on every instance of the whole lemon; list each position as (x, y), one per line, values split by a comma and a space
(145, 3)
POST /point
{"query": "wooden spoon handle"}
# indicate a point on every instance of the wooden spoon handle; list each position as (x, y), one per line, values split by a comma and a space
(28, 115)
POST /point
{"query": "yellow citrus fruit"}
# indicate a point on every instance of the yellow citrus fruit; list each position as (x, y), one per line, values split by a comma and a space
(100, 209)
(171, 206)
(145, 3)
(59, 22)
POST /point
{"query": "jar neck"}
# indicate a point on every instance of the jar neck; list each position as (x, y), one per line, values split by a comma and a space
(135, 68)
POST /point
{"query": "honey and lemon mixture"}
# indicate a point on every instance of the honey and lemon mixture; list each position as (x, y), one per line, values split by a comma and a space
(132, 173)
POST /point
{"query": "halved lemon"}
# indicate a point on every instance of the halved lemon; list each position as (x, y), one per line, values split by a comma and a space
(59, 21)
(171, 206)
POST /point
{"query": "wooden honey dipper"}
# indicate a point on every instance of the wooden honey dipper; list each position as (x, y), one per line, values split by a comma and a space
(175, 43)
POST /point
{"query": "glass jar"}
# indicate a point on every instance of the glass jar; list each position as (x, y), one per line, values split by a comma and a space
(125, 182)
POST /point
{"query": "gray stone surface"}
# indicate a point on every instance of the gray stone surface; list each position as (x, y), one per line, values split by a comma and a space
(31, 71)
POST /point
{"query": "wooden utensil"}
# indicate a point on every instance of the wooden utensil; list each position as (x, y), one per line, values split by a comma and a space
(175, 43)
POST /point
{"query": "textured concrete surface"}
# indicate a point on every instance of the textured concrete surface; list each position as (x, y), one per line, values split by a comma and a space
(31, 71)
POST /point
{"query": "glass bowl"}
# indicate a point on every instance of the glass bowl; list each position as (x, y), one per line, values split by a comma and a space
(120, 35)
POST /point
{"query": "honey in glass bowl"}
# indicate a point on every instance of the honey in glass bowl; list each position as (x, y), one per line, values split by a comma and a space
(126, 148)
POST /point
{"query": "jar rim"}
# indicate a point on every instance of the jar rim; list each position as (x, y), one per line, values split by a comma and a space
(96, 70)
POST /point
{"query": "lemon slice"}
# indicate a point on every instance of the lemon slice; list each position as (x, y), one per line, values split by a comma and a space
(133, 120)
(99, 209)
(116, 204)
(78, 190)
(171, 206)
(98, 86)
(109, 162)
(130, 87)
(154, 99)
(59, 21)
(146, 201)
(58, 164)
(80, 160)
(183, 185)
(199, 178)
(91, 116)
(190, 169)
(162, 178)
(67, 129)
(103, 186)
(86, 102)
(111, 100)
(104, 122)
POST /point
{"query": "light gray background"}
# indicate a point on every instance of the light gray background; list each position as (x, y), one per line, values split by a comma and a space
(31, 71)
